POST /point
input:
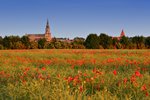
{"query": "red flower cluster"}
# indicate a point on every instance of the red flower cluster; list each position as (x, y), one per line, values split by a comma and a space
(115, 72)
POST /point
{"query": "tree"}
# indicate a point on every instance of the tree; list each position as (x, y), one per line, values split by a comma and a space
(78, 43)
(124, 42)
(115, 43)
(26, 41)
(1, 40)
(58, 45)
(1, 43)
(50, 45)
(34, 45)
(19, 45)
(138, 40)
(10, 42)
(42, 43)
(147, 42)
(92, 41)
(13, 42)
(6, 42)
(65, 45)
(79, 40)
(105, 41)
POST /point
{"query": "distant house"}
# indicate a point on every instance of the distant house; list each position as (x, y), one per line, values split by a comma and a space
(47, 35)
(121, 35)
(64, 40)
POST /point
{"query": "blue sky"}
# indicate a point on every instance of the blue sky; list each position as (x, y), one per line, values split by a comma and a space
(72, 18)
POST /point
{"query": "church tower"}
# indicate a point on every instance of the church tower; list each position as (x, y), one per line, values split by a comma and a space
(122, 33)
(47, 32)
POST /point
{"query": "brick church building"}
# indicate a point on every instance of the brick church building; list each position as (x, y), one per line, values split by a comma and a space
(46, 35)
(121, 35)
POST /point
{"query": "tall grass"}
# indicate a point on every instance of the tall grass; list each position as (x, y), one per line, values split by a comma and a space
(74, 74)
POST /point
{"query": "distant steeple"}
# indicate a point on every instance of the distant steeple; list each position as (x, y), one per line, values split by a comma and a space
(47, 29)
(122, 33)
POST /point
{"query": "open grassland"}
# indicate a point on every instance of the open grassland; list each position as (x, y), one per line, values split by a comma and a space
(75, 74)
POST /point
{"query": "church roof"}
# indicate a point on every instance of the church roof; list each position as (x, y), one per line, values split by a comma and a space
(122, 33)
(36, 35)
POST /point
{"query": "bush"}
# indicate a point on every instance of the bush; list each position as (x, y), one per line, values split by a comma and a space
(1, 47)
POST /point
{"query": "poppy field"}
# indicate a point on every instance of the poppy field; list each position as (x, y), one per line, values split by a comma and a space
(74, 74)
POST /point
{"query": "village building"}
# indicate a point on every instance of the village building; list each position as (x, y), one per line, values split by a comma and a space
(121, 35)
(46, 35)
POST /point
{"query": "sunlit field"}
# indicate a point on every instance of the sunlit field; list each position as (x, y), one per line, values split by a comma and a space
(75, 74)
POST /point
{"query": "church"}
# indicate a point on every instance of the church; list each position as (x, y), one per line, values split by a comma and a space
(46, 35)
(121, 35)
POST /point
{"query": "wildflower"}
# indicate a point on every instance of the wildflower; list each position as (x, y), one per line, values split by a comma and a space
(70, 79)
(25, 73)
(24, 82)
(115, 72)
(27, 69)
(143, 88)
(43, 68)
(87, 80)
(80, 88)
(58, 75)
(133, 78)
(72, 66)
(40, 76)
(94, 70)
(84, 74)
(125, 80)
(137, 73)
(146, 94)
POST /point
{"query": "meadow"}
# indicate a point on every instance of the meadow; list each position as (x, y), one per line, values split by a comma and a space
(75, 74)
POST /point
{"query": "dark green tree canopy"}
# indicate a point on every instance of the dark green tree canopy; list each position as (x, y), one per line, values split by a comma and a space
(1, 40)
(124, 41)
(105, 40)
(92, 41)
(138, 40)
(147, 42)
(26, 41)
(41, 43)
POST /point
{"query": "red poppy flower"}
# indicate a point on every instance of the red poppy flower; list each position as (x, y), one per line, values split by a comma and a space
(143, 88)
(115, 72)
(137, 73)
(125, 80)
(81, 88)
(146, 94)
(43, 68)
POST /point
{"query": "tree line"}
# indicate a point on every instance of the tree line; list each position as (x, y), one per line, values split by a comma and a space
(93, 41)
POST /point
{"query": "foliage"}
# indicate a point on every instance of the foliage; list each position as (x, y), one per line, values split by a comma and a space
(1, 40)
(42, 43)
(26, 41)
(124, 41)
(147, 42)
(105, 40)
(10, 42)
(92, 41)
(138, 40)
(33, 45)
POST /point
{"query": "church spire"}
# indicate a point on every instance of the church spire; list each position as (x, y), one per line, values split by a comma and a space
(47, 29)
(47, 32)
(122, 33)
(47, 25)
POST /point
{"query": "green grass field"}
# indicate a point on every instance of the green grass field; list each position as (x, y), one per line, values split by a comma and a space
(75, 75)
